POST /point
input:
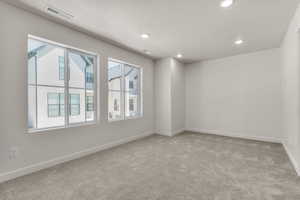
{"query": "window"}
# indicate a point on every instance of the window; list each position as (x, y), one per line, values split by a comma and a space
(59, 76)
(75, 104)
(131, 105)
(124, 85)
(116, 105)
(131, 85)
(61, 63)
(56, 104)
(89, 103)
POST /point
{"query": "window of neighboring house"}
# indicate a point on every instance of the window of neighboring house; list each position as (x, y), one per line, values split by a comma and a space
(74, 104)
(124, 85)
(89, 103)
(61, 63)
(131, 105)
(55, 104)
(46, 90)
(116, 105)
(131, 85)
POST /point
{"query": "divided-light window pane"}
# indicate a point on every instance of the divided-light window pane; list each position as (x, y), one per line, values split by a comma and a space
(48, 67)
(124, 98)
(75, 104)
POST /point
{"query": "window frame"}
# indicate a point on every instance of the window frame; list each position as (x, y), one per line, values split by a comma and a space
(67, 49)
(123, 91)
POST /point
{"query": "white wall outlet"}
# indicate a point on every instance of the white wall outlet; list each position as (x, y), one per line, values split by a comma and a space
(13, 153)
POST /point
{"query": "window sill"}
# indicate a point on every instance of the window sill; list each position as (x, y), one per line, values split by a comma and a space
(127, 118)
(45, 130)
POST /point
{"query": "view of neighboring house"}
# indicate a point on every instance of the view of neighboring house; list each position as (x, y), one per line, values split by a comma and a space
(46, 79)
(124, 84)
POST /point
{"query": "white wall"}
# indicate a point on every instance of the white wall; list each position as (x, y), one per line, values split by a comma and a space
(170, 96)
(290, 76)
(163, 115)
(238, 96)
(15, 25)
(178, 96)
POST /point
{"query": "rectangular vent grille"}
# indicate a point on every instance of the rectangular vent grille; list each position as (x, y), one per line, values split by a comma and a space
(59, 13)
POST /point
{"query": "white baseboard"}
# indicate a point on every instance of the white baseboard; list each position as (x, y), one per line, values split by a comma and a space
(236, 135)
(164, 132)
(50, 163)
(292, 159)
(176, 132)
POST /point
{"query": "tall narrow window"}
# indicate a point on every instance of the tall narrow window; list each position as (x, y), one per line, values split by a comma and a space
(124, 84)
(59, 76)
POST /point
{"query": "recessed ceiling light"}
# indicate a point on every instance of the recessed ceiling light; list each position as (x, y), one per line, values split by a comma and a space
(226, 3)
(238, 42)
(145, 36)
(179, 55)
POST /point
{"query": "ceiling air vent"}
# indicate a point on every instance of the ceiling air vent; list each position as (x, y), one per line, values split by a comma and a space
(59, 13)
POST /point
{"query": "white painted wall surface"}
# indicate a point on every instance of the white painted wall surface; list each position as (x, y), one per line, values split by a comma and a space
(178, 96)
(237, 96)
(170, 96)
(291, 102)
(163, 114)
(33, 149)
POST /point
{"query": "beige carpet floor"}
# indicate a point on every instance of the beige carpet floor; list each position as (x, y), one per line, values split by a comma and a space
(185, 167)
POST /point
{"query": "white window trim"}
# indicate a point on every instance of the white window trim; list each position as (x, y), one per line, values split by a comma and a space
(96, 87)
(140, 96)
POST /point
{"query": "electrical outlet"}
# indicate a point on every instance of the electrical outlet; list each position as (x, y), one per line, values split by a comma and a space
(13, 153)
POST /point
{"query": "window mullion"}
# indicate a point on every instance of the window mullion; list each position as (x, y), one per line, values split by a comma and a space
(123, 92)
(139, 92)
(36, 93)
(85, 106)
(95, 91)
(67, 77)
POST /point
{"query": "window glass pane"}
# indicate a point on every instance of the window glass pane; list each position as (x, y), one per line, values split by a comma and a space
(50, 113)
(47, 89)
(114, 105)
(32, 70)
(131, 104)
(53, 110)
(131, 78)
(32, 119)
(61, 62)
(53, 98)
(114, 75)
(81, 82)
(90, 106)
(54, 105)
(124, 90)
(74, 104)
(89, 76)
(43, 70)
(62, 104)
(89, 103)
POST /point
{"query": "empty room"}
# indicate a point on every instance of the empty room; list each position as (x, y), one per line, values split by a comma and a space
(150, 100)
